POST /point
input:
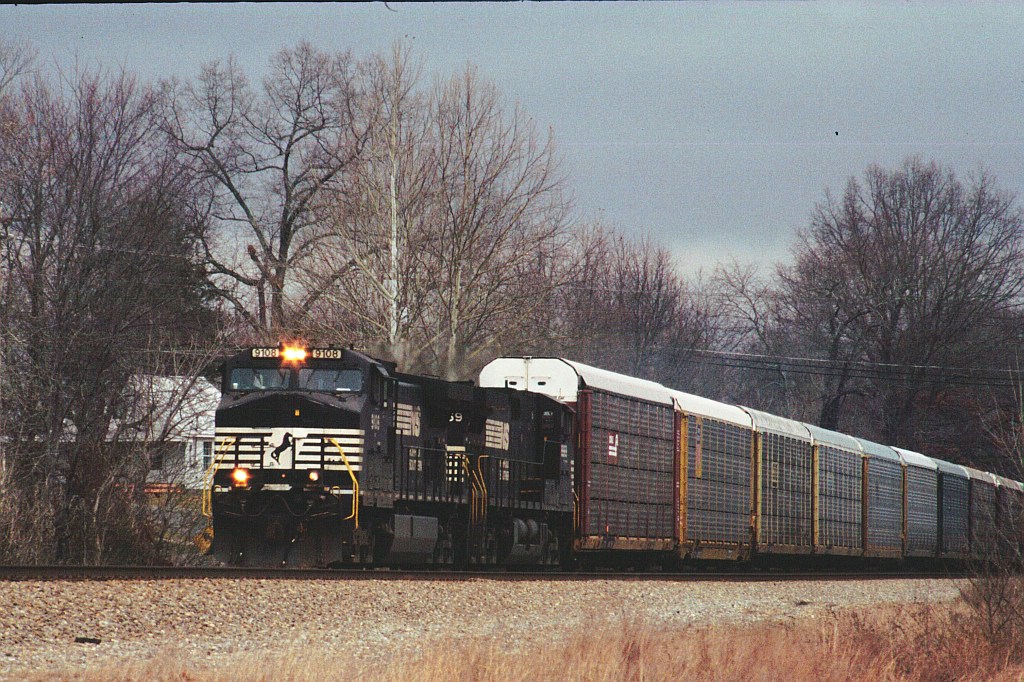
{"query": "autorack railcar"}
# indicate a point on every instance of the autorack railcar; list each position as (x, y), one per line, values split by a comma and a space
(982, 511)
(920, 504)
(838, 471)
(716, 479)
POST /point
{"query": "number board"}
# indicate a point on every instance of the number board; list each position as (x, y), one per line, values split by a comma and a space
(315, 353)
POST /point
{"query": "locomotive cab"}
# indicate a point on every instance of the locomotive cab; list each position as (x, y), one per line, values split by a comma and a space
(292, 435)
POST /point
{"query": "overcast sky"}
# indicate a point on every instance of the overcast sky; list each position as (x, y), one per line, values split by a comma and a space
(715, 127)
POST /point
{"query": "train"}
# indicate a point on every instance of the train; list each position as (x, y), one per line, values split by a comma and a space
(327, 457)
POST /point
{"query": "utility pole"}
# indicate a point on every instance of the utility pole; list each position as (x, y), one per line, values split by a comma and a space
(4, 283)
(393, 281)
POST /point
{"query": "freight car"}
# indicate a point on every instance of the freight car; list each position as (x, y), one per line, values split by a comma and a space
(326, 456)
(747, 484)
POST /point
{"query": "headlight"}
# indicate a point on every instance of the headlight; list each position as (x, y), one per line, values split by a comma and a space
(240, 477)
(295, 354)
(314, 476)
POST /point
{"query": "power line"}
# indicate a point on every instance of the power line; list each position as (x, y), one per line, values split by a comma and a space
(963, 381)
(860, 363)
(990, 377)
(58, 244)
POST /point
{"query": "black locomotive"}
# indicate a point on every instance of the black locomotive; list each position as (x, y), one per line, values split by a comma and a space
(326, 457)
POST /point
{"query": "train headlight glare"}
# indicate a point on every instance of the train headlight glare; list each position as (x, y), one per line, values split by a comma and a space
(294, 354)
(314, 476)
(240, 476)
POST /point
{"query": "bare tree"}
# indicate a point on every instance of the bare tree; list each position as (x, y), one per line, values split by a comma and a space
(581, 325)
(501, 217)
(268, 158)
(99, 270)
(369, 260)
(16, 59)
(816, 317)
(157, 433)
(446, 242)
(647, 295)
(626, 308)
(910, 272)
(929, 264)
(752, 329)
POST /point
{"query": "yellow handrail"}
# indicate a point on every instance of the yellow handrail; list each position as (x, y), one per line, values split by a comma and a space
(472, 484)
(355, 485)
(483, 486)
(478, 498)
(211, 472)
(575, 510)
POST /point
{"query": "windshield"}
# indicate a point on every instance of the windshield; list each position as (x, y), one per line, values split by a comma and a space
(331, 380)
(249, 379)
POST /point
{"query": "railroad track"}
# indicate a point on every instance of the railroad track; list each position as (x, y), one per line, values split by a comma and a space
(101, 573)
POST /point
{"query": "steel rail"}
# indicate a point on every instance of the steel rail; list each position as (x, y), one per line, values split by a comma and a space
(103, 573)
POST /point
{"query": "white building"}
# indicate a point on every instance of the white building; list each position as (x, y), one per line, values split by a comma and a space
(177, 413)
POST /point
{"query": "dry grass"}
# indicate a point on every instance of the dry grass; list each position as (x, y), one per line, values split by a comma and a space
(926, 643)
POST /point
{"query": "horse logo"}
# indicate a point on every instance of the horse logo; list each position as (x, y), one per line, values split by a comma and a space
(276, 454)
(287, 441)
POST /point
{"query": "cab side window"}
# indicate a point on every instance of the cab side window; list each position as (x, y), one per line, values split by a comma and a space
(380, 388)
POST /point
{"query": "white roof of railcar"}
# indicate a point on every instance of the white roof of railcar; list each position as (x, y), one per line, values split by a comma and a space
(950, 468)
(595, 377)
(834, 438)
(771, 423)
(916, 459)
(1005, 482)
(562, 379)
(694, 404)
(983, 476)
(878, 450)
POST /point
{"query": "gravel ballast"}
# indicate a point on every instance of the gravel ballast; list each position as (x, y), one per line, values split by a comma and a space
(209, 622)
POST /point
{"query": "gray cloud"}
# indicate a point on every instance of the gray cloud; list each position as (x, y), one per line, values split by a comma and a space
(715, 127)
